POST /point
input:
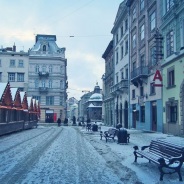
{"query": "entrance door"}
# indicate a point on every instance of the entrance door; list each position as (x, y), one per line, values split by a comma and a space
(134, 115)
(120, 115)
(126, 115)
(154, 115)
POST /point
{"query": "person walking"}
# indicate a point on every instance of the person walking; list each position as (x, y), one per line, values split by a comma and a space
(59, 122)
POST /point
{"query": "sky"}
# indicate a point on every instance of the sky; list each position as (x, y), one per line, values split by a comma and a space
(83, 27)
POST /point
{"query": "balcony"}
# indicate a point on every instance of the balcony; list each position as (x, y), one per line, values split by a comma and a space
(43, 89)
(119, 87)
(43, 74)
(138, 74)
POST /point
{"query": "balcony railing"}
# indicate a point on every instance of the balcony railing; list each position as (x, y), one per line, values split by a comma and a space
(43, 89)
(121, 86)
(43, 74)
(141, 71)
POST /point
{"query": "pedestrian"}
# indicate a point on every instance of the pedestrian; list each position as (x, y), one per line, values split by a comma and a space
(59, 122)
(74, 120)
(66, 121)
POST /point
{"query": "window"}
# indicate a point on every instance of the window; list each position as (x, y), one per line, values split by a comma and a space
(50, 68)
(134, 66)
(122, 52)
(43, 83)
(21, 63)
(152, 21)
(37, 98)
(141, 91)
(61, 100)
(173, 114)
(0, 76)
(44, 48)
(152, 88)
(44, 68)
(141, 5)
(122, 75)
(37, 68)
(142, 32)
(121, 31)
(134, 41)
(12, 63)
(170, 43)
(36, 83)
(11, 77)
(169, 4)
(126, 73)
(126, 47)
(170, 77)
(21, 89)
(49, 100)
(126, 24)
(117, 38)
(152, 56)
(142, 60)
(143, 113)
(20, 77)
(50, 83)
(134, 14)
(117, 57)
(133, 93)
(117, 79)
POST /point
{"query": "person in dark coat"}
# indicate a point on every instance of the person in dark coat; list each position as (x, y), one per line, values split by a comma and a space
(59, 122)
(74, 120)
(66, 121)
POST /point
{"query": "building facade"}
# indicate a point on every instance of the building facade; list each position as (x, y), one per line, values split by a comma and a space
(14, 67)
(48, 77)
(119, 90)
(172, 30)
(108, 100)
(145, 98)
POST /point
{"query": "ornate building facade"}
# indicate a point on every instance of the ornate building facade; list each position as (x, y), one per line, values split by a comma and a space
(48, 77)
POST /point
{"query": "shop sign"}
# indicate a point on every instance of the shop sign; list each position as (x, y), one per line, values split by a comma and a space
(157, 77)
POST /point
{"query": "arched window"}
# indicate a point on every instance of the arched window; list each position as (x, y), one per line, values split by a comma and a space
(44, 48)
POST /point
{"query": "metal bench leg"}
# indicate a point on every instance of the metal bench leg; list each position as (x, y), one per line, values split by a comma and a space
(161, 173)
(180, 177)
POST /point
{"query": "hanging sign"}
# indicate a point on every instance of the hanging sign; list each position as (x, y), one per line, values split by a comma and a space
(157, 77)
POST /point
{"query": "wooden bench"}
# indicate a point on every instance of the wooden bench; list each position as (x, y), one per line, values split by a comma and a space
(168, 156)
(109, 134)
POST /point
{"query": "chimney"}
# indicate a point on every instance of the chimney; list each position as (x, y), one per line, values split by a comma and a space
(14, 48)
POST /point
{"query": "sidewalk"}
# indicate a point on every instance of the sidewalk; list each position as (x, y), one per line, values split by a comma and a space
(145, 171)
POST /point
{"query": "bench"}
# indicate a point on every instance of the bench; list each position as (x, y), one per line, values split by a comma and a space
(168, 156)
(109, 134)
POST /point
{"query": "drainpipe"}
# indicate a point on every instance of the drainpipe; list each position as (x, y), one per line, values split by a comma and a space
(129, 118)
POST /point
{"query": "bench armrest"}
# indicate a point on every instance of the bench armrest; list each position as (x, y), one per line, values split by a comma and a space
(144, 147)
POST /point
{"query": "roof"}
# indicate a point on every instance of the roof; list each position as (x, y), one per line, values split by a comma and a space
(96, 97)
(2, 88)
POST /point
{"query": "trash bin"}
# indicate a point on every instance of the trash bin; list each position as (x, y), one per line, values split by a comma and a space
(122, 135)
(95, 128)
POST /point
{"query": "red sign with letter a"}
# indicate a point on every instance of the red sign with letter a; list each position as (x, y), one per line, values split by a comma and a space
(157, 77)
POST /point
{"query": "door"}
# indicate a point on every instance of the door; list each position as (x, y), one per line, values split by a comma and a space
(154, 115)
(126, 115)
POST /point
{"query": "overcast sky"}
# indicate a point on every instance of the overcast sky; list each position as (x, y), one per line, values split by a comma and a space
(89, 21)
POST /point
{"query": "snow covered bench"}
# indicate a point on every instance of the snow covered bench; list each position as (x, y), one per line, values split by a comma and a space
(168, 156)
(110, 134)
